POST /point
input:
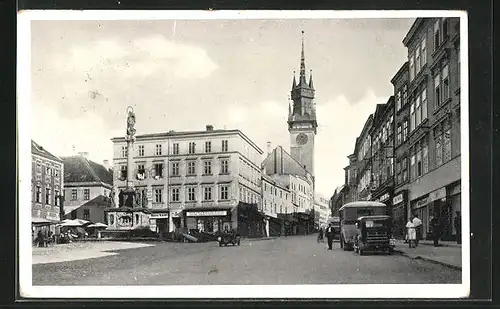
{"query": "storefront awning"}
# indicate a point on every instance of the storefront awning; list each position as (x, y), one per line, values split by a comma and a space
(42, 221)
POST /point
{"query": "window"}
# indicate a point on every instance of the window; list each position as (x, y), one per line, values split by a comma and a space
(404, 167)
(425, 155)
(437, 35)
(123, 172)
(175, 169)
(141, 172)
(191, 168)
(423, 52)
(418, 110)
(141, 150)
(158, 149)
(445, 28)
(207, 193)
(47, 195)
(74, 194)
(86, 194)
(38, 196)
(56, 197)
(417, 59)
(48, 171)
(191, 194)
(208, 147)
(38, 168)
(398, 100)
(445, 83)
(175, 147)
(56, 172)
(420, 152)
(158, 170)
(207, 168)
(442, 136)
(224, 192)
(86, 214)
(224, 166)
(224, 146)
(405, 95)
(412, 67)
(124, 151)
(423, 96)
(412, 116)
(405, 130)
(175, 195)
(158, 195)
(192, 147)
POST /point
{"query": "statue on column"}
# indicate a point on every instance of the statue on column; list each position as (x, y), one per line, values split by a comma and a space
(130, 124)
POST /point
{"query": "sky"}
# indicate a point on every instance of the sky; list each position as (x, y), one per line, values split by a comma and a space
(186, 74)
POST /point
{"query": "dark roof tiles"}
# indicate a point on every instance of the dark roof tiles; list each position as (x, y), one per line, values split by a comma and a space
(80, 169)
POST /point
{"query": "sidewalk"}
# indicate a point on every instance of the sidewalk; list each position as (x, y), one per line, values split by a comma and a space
(447, 253)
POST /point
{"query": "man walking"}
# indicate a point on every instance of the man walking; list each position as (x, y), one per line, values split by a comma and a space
(329, 235)
(436, 230)
(418, 228)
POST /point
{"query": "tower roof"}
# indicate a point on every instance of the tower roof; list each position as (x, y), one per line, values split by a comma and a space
(302, 63)
(311, 80)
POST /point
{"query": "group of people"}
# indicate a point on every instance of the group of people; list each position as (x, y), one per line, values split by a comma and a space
(329, 232)
(414, 230)
(43, 238)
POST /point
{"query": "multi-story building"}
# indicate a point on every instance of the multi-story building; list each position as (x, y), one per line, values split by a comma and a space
(433, 141)
(47, 185)
(276, 203)
(193, 179)
(364, 162)
(87, 188)
(401, 169)
(321, 211)
(382, 157)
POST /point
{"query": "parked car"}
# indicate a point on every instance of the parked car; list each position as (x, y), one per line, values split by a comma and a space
(229, 238)
(373, 234)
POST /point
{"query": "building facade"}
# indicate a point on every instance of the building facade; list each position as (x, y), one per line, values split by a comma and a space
(87, 189)
(364, 162)
(47, 185)
(192, 180)
(401, 169)
(433, 142)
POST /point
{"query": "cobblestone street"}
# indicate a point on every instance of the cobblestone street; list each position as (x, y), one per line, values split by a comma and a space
(286, 260)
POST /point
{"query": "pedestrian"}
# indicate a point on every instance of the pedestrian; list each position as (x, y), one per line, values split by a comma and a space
(41, 240)
(329, 235)
(436, 230)
(320, 235)
(458, 227)
(418, 228)
(412, 234)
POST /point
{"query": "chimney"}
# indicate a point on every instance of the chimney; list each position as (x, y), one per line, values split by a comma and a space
(84, 154)
(268, 148)
(210, 127)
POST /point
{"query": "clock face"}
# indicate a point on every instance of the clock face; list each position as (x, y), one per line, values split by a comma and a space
(301, 139)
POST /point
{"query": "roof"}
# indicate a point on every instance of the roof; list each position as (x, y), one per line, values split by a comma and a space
(359, 204)
(99, 200)
(40, 151)
(79, 169)
(173, 133)
(402, 70)
(412, 30)
(272, 155)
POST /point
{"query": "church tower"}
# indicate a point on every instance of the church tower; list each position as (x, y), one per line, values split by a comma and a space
(302, 117)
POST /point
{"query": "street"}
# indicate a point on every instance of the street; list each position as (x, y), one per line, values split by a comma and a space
(285, 260)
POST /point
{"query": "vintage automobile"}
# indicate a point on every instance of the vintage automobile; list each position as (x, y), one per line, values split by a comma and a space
(229, 238)
(373, 234)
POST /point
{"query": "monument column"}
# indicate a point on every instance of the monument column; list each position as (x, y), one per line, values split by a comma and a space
(130, 194)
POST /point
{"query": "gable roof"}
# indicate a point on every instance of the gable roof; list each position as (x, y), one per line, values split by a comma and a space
(79, 169)
(271, 157)
(40, 151)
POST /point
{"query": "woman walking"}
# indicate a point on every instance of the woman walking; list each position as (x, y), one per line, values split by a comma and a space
(412, 233)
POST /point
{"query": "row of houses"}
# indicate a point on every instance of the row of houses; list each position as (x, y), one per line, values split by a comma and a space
(180, 184)
(408, 152)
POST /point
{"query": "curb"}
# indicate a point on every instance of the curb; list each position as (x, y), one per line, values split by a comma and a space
(259, 239)
(418, 257)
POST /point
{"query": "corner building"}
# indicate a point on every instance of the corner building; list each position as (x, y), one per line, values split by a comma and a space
(433, 143)
(193, 179)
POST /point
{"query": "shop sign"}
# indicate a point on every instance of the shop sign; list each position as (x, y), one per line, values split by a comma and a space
(52, 216)
(397, 199)
(159, 215)
(438, 194)
(383, 198)
(206, 213)
(421, 203)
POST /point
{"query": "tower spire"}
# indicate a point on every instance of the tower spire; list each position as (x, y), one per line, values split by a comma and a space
(311, 79)
(302, 63)
(294, 83)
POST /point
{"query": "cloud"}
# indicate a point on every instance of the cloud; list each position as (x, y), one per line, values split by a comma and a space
(339, 124)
